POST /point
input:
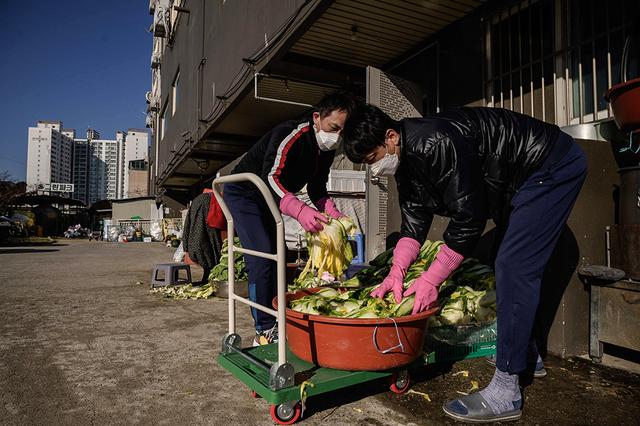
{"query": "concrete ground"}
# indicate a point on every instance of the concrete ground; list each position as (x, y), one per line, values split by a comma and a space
(81, 342)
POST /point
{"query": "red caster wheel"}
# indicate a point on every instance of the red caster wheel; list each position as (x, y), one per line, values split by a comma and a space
(400, 382)
(286, 413)
(254, 394)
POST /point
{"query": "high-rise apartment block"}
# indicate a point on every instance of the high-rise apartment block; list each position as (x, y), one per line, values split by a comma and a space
(98, 168)
(50, 153)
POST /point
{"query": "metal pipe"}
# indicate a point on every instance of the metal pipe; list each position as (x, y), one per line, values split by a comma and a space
(594, 71)
(256, 253)
(437, 76)
(282, 101)
(607, 236)
(531, 85)
(580, 88)
(520, 58)
(568, 94)
(231, 276)
(254, 305)
(510, 60)
(594, 84)
(249, 357)
(542, 88)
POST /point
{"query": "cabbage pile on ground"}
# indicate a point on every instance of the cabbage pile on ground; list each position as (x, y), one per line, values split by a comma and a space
(220, 272)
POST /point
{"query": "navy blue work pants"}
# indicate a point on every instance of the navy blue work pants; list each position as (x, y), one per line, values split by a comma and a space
(256, 229)
(540, 210)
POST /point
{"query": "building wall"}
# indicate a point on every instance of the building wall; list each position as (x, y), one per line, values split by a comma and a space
(231, 30)
(126, 209)
(138, 183)
(136, 147)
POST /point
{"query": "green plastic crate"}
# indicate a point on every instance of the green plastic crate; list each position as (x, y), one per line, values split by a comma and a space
(448, 344)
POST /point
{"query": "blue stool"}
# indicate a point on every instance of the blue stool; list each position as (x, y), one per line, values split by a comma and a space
(170, 274)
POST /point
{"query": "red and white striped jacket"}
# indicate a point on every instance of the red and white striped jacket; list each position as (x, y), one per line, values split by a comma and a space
(287, 158)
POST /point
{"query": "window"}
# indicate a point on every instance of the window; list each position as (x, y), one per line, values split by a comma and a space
(163, 123)
(532, 46)
(174, 93)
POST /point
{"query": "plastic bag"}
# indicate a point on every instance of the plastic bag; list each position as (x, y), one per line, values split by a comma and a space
(156, 230)
(178, 256)
(464, 334)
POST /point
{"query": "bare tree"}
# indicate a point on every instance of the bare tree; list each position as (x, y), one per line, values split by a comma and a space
(8, 189)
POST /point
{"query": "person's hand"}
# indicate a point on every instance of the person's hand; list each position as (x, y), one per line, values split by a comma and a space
(393, 282)
(426, 286)
(328, 206)
(311, 219)
(426, 294)
(404, 255)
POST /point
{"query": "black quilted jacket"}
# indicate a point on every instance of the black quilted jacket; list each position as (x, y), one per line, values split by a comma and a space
(466, 164)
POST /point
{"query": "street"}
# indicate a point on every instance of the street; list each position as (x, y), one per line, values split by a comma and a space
(82, 343)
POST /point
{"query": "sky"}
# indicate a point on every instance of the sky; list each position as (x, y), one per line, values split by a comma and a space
(83, 62)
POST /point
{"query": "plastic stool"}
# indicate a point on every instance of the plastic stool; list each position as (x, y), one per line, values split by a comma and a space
(359, 257)
(171, 273)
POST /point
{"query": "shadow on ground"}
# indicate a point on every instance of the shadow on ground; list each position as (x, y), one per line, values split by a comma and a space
(25, 250)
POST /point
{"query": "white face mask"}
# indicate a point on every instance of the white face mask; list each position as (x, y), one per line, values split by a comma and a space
(327, 141)
(386, 166)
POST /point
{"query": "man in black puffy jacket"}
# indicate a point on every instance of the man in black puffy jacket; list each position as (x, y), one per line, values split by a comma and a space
(471, 165)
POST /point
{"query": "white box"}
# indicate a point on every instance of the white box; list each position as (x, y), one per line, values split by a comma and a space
(146, 239)
(346, 181)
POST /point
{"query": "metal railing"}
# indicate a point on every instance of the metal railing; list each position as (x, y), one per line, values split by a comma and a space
(545, 59)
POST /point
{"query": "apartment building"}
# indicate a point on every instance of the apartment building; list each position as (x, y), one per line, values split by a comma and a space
(49, 157)
(97, 167)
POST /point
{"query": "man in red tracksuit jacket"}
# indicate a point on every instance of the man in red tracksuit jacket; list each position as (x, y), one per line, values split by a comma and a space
(290, 156)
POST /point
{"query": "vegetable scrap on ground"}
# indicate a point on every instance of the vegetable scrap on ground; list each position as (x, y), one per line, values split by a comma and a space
(218, 274)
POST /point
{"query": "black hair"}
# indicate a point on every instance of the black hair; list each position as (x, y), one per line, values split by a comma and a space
(365, 130)
(340, 100)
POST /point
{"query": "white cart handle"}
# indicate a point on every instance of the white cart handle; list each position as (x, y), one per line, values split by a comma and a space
(279, 257)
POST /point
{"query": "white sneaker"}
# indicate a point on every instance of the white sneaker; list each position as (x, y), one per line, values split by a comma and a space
(267, 336)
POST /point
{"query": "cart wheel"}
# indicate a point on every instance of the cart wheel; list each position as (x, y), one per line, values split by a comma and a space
(400, 382)
(285, 414)
(255, 394)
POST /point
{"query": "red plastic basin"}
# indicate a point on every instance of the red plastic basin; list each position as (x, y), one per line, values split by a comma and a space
(625, 103)
(350, 344)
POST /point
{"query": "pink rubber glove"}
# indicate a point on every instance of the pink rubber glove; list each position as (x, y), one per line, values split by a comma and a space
(327, 206)
(426, 286)
(404, 255)
(310, 218)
